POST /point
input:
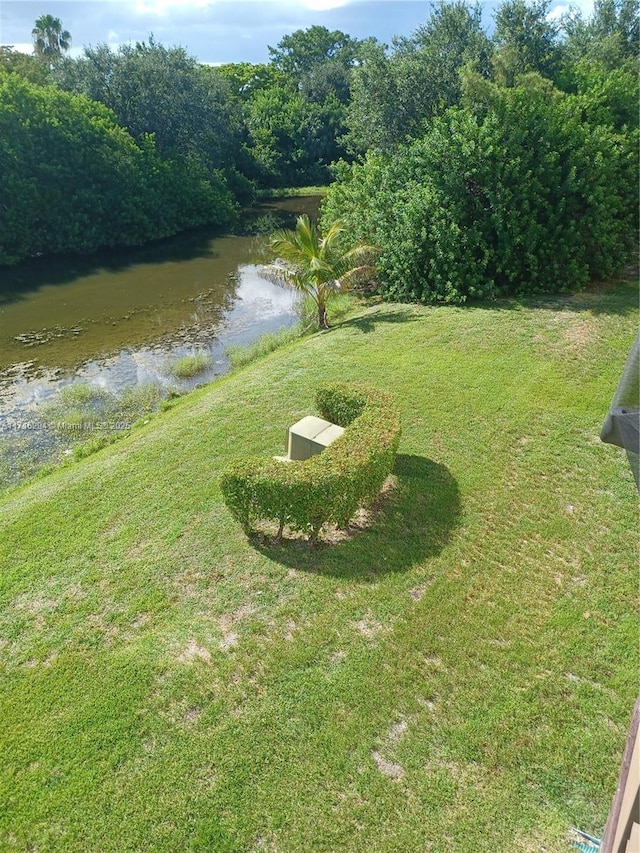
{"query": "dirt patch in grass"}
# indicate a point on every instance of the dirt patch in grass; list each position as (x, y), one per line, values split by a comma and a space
(192, 715)
(229, 641)
(370, 627)
(580, 333)
(194, 651)
(387, 768)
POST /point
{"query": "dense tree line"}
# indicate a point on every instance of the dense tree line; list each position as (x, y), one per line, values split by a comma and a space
(478, 162)
(121, 147)
(72, 179)
(513, 168)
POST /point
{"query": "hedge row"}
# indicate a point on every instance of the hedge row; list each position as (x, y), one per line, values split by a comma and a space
(330, 487)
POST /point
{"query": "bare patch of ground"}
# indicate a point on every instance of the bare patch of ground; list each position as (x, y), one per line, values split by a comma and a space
(387, 768)
(580, 332)
(370, 627)
(192, 715)
(229, 641)
(194, 651)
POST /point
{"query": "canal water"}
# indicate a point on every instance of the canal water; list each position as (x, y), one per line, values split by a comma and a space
(122, 318)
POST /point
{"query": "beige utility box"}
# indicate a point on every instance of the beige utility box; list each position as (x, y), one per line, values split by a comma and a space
(310, 436)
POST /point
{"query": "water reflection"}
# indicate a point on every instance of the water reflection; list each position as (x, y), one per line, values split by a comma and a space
(122, 318)
(250, 307)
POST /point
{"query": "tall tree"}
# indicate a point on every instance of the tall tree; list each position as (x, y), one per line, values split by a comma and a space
(164, 91)
(27, 66)
(297, 53)
(49, 39)
(526, 39)
(393, 96)
(611, 36)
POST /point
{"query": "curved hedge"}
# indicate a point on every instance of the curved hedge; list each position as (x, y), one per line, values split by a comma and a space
(331, 486)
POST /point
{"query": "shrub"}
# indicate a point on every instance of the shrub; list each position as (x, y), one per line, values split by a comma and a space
(330, 487)
(514, 192)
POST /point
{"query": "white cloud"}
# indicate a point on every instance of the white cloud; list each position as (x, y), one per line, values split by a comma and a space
(585, 7)
(164, 7)
(23, 47)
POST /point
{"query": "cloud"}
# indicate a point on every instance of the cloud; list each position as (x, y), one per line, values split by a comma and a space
(585, 7)
(165, 7)
(23, 47)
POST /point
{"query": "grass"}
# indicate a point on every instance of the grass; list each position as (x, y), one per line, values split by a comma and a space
(189, 366)
(341, 306)
(239, 356)
(288, 192)
(459, 675)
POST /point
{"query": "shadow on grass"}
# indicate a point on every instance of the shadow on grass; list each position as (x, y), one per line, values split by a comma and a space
(368, 322)
(412, 522)
(619, 296)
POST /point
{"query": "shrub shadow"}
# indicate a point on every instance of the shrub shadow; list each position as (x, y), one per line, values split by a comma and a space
(368, 322)
(412, 522)
(618, 296)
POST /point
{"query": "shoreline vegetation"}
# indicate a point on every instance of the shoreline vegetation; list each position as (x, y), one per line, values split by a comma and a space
(86, 414)
(461, 652)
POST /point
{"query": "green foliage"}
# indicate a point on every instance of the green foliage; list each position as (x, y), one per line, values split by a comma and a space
(29, 67)
(317, 266)
(72, 180)
(49, 39)
(190, 365)
(610, 37)
(291, 140)
(394, 96)
(510, 193)
(301, 51)
(526, 40)
(331, 486)
(162, 91)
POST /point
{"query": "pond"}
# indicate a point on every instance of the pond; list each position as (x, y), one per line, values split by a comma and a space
(123, 319)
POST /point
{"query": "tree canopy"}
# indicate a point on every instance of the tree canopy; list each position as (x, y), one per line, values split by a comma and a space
(72, 179)
(50, 40)
(480, 163)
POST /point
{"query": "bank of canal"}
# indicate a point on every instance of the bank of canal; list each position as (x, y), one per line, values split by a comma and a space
(121, 320)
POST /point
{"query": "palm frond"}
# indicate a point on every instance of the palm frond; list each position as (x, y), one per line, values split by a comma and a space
(284, 275)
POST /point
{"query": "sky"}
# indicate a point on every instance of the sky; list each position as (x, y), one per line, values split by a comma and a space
(217, 31)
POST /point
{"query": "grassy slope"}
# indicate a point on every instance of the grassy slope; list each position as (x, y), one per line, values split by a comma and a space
(457, 677)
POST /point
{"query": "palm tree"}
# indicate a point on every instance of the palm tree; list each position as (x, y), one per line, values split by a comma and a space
(317, 266)
(49, 39)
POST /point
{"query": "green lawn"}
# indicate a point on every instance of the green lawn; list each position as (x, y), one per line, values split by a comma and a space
(459, 675)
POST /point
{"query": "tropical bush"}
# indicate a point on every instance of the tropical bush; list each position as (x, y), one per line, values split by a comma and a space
(329, 487)
(513, 192)
(317, 267)
(72, 180)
